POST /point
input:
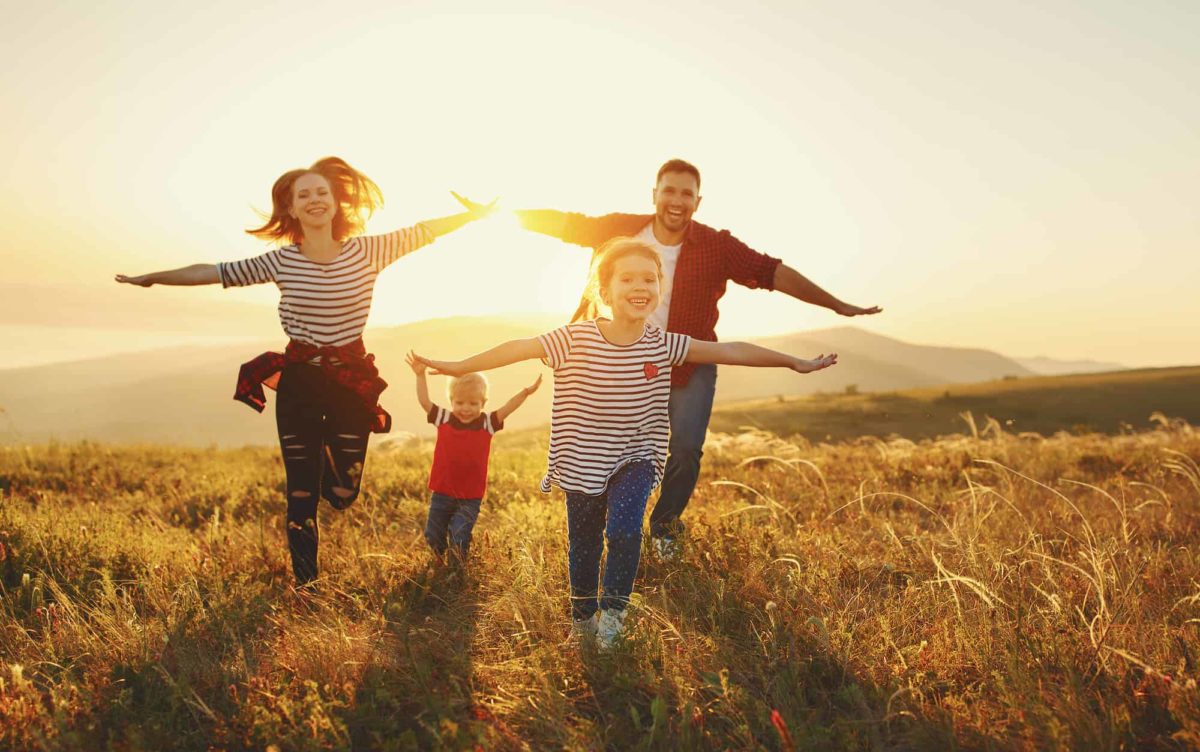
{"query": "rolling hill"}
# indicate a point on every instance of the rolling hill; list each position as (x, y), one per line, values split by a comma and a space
(183, 395)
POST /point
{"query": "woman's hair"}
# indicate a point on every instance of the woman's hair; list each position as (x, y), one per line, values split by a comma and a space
(356, 196)
(468, 381)
(603, 265)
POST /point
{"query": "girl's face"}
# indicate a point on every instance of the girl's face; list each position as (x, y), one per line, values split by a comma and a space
(467, 403)
(633, 290)
(312, 201)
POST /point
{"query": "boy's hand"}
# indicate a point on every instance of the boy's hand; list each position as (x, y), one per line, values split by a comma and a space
(533, 387)
(417, 366)
(816, 364)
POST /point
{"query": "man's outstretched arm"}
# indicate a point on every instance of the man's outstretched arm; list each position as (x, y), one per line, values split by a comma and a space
(792, 282)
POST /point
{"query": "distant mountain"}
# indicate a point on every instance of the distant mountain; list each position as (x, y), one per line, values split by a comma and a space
(184, 395)
(1044, 366)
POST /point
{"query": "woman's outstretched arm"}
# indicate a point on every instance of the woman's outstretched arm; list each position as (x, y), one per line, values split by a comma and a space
(196, 274)
(446, 225)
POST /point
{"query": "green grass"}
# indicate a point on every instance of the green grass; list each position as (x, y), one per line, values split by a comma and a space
(1109, 403)
(1001, 591)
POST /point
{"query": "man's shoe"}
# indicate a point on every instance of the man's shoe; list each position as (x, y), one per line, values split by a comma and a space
(667, 550)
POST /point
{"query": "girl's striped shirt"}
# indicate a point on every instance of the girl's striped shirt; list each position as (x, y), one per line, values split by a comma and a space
(610, 403)
(326, 304)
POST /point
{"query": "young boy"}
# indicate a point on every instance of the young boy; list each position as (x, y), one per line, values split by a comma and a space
(458, 477)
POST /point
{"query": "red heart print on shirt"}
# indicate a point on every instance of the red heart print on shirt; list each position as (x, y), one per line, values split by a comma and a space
(651, 370)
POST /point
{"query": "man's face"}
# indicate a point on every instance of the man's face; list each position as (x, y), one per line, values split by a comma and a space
(676, 197)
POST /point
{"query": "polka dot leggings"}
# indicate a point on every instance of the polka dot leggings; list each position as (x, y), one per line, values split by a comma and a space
(616, 515)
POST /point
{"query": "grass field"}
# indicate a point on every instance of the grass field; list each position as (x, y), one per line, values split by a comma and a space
(991, 591)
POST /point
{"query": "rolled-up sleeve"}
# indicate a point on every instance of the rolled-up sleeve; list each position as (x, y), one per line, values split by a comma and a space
(745, 265)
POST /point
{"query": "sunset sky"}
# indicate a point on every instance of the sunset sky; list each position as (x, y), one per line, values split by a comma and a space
(1012, 176)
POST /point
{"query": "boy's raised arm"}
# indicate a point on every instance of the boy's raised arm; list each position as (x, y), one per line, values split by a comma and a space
(422, 384)
(746, 354)
(510, 352)
(518, 399)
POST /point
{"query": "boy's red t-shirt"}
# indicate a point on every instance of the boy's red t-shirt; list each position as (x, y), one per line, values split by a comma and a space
(460, 457)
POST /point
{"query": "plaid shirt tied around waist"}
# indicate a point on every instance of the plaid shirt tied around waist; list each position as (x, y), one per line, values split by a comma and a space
(348, 365)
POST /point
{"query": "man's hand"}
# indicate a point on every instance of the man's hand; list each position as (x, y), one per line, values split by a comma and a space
(533, 387)
(417, 366)
(816, 364)
(845, 309)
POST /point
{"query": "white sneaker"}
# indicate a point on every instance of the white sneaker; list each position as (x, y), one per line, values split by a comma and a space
(610, 627)
(667, 550)
(585, 629)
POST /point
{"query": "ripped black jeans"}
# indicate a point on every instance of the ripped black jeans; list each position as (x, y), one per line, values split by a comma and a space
(323, 432)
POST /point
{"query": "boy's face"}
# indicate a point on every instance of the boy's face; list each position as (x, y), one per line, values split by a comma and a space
(467, 403)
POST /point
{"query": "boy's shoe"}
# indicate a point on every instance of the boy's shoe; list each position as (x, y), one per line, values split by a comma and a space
(610, 627)
(667, 550)
(585, 629)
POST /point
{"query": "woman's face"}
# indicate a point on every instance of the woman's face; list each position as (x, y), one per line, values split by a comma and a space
(312, 201)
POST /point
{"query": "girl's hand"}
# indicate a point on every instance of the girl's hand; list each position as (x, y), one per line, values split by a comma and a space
(439, 367)
(141, 281)
(417, 366)
(816, 364)
(534, 387)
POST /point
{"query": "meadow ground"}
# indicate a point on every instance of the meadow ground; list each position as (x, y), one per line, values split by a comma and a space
(980, 591)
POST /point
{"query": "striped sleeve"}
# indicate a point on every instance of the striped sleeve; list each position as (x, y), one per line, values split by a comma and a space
(252, 271)
(437, 415)
(383, 250)
(677, 347)
(557, 345)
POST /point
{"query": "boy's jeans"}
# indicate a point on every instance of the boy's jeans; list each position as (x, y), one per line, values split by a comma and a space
(690, 408)
(616, 515)
(455, 517)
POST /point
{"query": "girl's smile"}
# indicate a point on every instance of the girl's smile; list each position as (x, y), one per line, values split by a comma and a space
(633, 290)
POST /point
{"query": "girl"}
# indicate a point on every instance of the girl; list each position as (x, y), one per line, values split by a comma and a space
(327, 382)
(609, 424)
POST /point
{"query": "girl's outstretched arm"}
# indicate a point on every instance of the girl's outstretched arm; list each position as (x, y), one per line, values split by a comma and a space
(746, 354)
(196, 274)
(510, 352)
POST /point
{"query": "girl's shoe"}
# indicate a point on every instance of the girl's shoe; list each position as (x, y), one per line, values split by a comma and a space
(585, 629)
(610, 627)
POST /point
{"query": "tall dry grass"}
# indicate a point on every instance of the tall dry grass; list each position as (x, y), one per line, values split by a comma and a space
(981, 591)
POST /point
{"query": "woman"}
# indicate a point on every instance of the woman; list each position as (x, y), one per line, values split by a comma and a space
(327, 383)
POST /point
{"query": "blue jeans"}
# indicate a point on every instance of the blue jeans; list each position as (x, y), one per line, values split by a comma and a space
(690, 408)
(616, 515)
(453, 518)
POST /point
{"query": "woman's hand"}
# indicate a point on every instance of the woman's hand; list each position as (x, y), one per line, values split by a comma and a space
(816, 364)
(144, 280)
(477, 210)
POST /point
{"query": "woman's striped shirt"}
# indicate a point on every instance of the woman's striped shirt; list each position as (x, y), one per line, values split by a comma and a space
(326, 304)
(610, 403)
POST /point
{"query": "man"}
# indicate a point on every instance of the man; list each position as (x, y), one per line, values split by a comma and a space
(698, 261)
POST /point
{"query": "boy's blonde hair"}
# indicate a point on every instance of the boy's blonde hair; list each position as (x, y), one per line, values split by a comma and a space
(468, 381)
